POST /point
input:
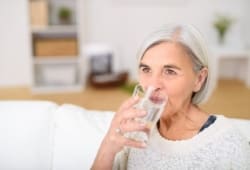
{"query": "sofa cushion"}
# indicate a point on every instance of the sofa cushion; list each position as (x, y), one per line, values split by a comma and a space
(78, 134)
(26, 136)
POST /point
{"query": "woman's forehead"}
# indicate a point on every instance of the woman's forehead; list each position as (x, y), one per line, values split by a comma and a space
(164, 53)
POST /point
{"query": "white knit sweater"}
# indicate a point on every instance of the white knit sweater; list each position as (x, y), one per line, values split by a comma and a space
(218, 147)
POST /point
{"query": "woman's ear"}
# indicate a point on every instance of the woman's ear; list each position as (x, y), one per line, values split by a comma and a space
(201, 77)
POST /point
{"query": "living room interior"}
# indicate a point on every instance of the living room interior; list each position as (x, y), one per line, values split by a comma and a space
(32, 67)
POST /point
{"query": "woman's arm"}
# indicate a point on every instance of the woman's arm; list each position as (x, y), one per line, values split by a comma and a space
(114, 140)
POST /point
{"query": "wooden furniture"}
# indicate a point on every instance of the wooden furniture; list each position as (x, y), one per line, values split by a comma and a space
(39, 12)
(55, 47)
(63, 44)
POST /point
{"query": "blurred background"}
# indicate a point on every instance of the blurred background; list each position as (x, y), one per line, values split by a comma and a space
(84, 51)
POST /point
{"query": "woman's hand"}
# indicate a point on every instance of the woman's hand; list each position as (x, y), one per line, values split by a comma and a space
(124, 121)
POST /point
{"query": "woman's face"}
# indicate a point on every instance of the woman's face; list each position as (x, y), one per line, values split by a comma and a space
(167, 67)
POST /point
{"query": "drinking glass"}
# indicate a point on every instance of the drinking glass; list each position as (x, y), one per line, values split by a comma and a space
(153, 102)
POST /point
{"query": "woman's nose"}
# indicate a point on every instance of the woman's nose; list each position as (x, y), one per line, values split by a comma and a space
(156, 82)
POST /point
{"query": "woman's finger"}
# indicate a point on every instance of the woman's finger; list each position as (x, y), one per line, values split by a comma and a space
(132, 143)
(134, 125)
(129, 103)
(131, 113)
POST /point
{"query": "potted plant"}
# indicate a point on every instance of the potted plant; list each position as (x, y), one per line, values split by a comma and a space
(222, 23)
(64, 15)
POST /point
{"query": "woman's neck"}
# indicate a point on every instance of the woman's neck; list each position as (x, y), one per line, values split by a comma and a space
(183, 125)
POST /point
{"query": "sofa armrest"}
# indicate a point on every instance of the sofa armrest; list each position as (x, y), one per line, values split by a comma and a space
(26, 135)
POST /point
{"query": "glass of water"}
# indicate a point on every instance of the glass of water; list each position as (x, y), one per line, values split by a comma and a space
(153, 102)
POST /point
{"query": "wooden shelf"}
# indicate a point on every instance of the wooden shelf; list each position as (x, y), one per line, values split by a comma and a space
(56, 61)
(54, 29)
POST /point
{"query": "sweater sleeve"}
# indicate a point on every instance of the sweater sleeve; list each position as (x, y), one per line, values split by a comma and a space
(121, 160)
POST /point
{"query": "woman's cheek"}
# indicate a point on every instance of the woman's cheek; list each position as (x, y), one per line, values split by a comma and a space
(144, 81)
(171, 88)
(174, 92)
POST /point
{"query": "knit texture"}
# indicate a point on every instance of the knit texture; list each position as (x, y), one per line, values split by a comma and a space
(218, 147)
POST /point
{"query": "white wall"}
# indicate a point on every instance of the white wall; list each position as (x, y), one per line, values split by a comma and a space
(15, 58)
(125, 23)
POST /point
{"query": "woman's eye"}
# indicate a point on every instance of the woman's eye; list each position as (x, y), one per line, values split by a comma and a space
(145, 69)
(169, 72)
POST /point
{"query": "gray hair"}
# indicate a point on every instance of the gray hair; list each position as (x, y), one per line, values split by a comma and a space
(192, 42)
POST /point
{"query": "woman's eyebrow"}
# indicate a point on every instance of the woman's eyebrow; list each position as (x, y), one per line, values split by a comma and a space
(172, 66)
(143, 65)
(169, 66)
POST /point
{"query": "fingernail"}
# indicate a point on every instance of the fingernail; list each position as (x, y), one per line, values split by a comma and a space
(136, 97)
(143, 112)
(143, 124)
(143, 144)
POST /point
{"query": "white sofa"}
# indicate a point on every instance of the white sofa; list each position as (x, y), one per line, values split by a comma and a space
(41, 135)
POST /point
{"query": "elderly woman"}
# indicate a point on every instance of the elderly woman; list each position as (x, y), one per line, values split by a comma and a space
(174, 61)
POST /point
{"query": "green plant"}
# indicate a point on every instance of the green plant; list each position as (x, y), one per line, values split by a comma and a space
(222, 23)
(129, 87)
(64, 14)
